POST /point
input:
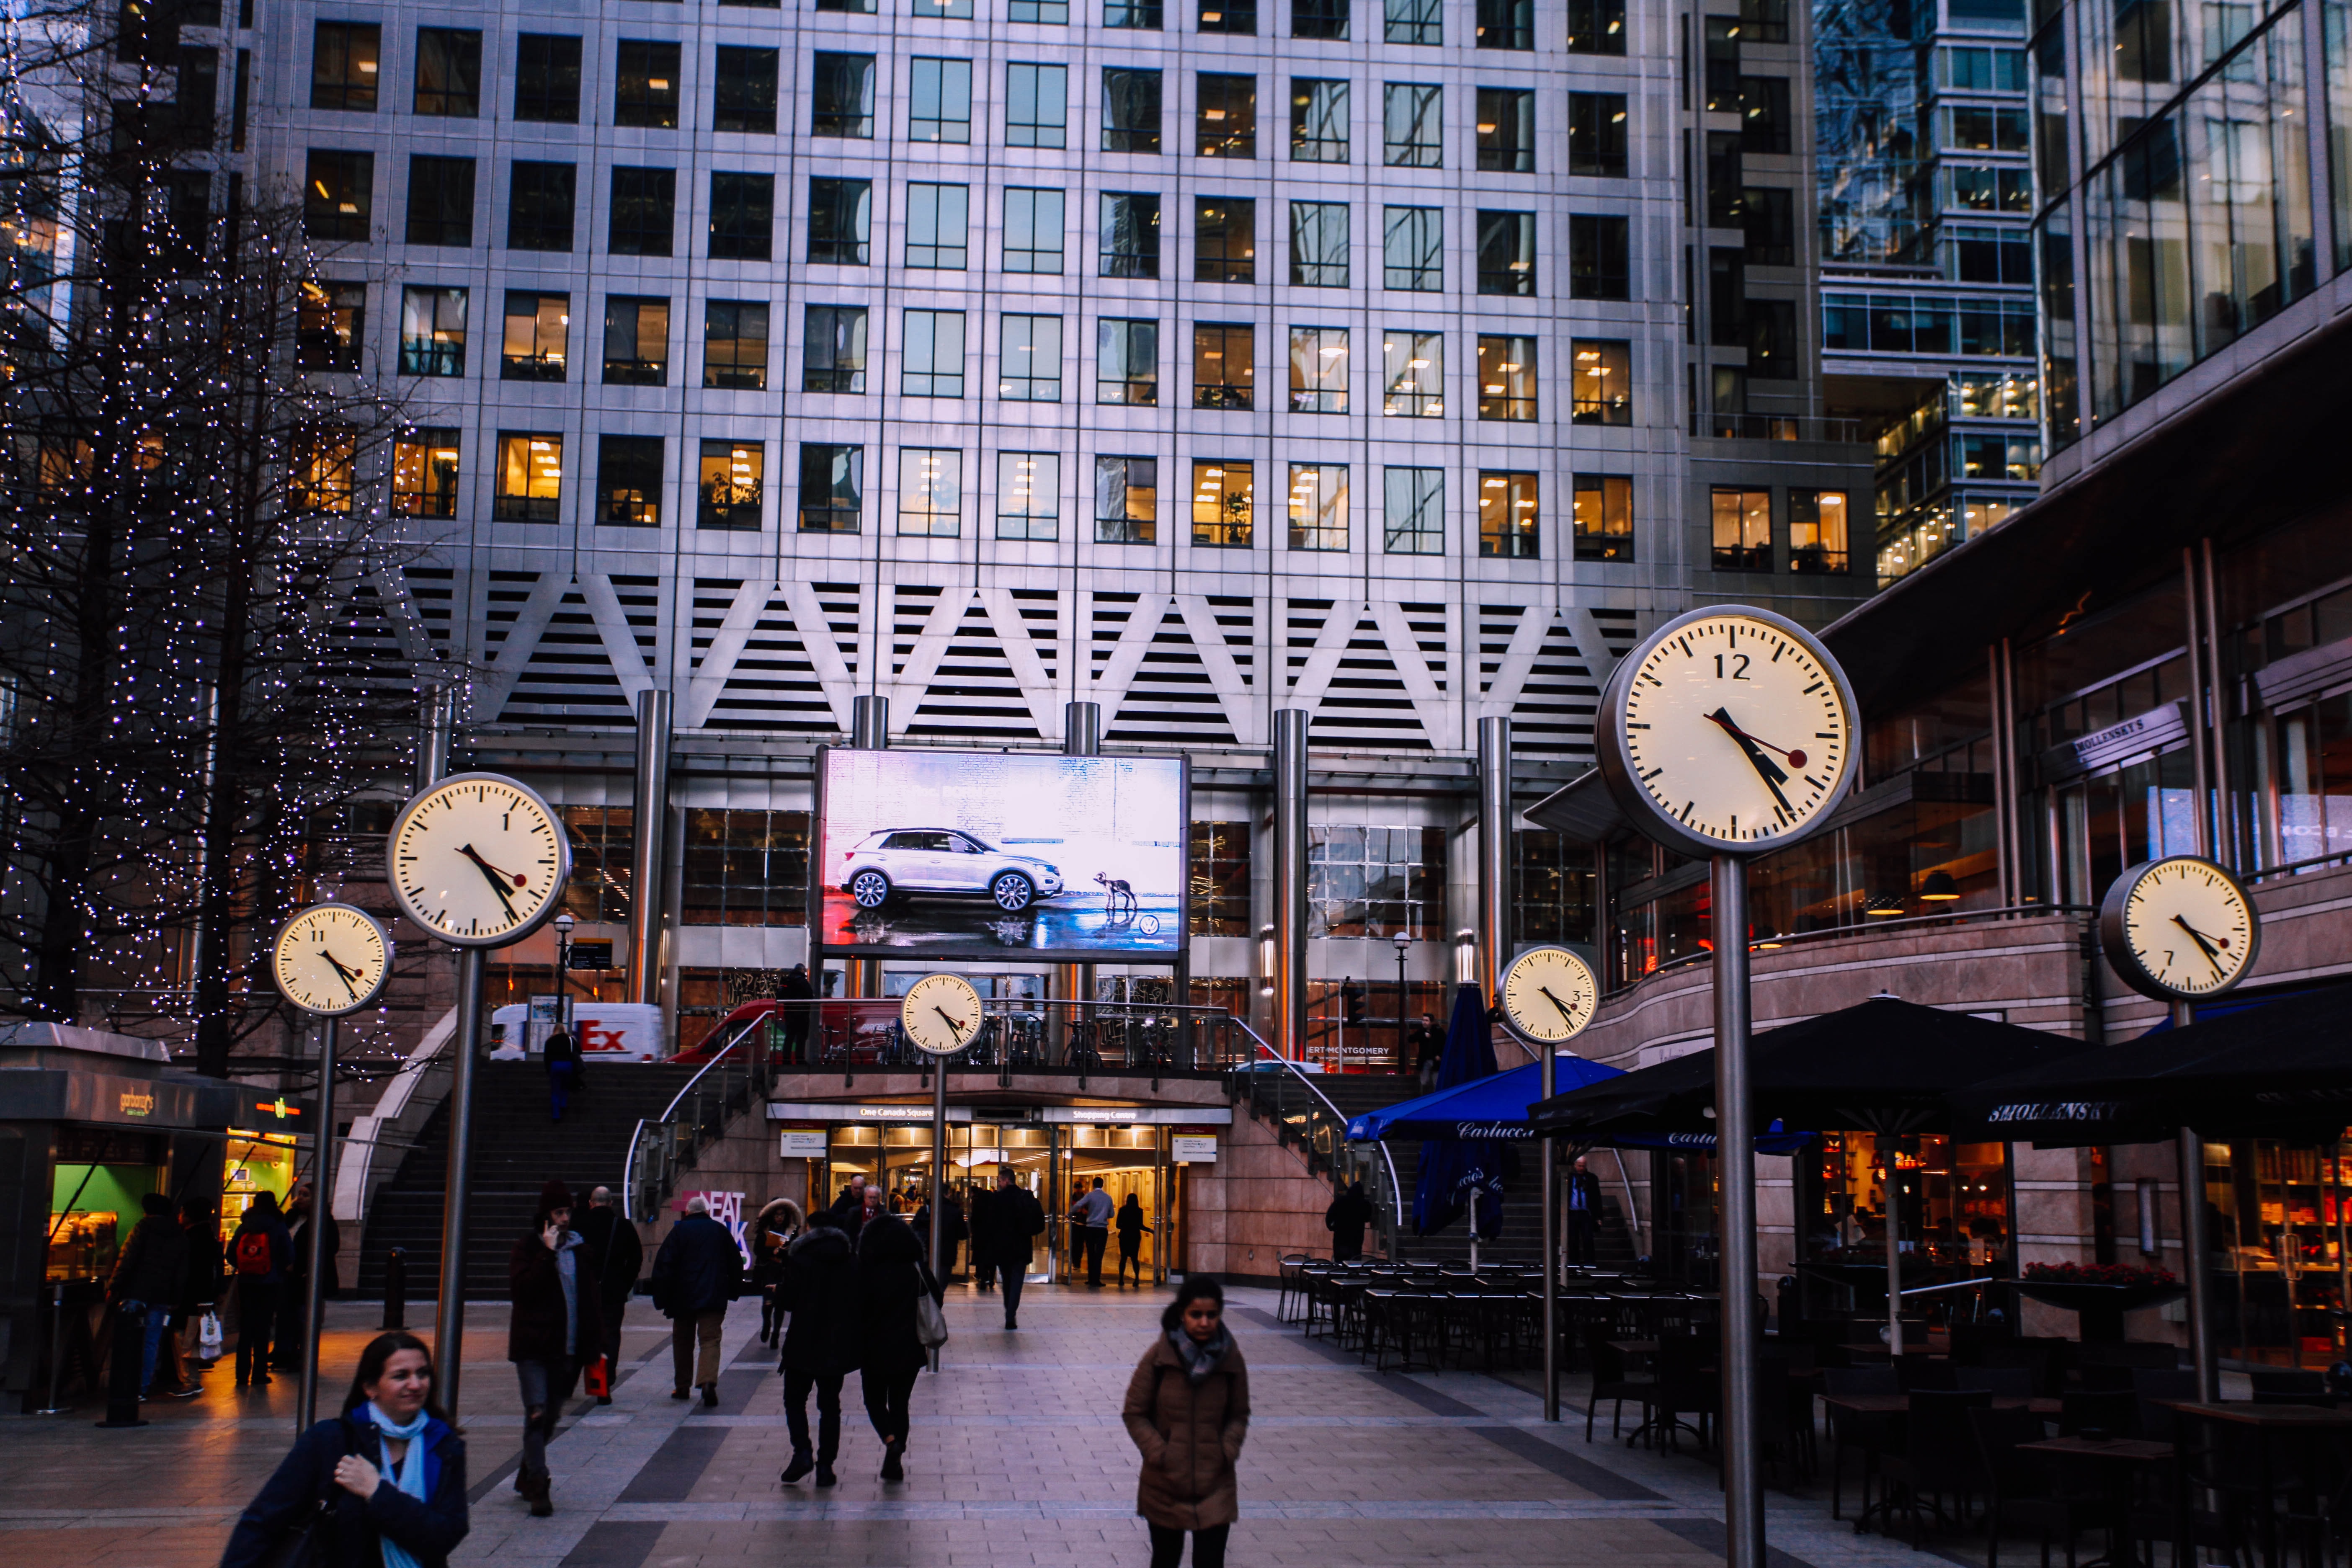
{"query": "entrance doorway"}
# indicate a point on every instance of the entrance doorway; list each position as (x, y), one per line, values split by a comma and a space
(1056, 1163)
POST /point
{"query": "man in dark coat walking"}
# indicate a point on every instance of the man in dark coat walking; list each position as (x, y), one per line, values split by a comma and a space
(1015, 1218)
(797, 995)
(551, 1327)
(981, 1225)
(1584, 1215)
(148, 1279)
(822, 1341)
(849, 1209)
(696, 1274)
(1349, 1213)
(619, 1255)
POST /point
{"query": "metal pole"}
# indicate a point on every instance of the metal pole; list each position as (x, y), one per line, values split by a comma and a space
(1547, 1158)
(1743, 1491)
(1494, 854)
(437, 733)
(449, 1308)
(1402, 1065)
(322, 1183)
(1082, 737)
(870, 723)
(938, 1160)
(2199, 733)
(1290, 883)
(870, 731)
(2194, 1257)
(2225, 831)
(1886, 1153)
(648, 868)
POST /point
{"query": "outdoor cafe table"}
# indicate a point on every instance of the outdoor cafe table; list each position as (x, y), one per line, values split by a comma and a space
(1900, 1403)
(2116, 1459)
(2309, 1422)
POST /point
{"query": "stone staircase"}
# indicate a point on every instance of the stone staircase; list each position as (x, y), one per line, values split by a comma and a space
(516, 1149)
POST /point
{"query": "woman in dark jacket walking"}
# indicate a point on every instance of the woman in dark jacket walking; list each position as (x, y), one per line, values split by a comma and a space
(390, 1472)
(889, 1355)
(1188, 1410)
(1129, 1223)
(553, 1327)
(819, 1289)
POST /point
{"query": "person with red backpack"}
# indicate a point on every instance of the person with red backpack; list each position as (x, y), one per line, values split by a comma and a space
(258, 1256)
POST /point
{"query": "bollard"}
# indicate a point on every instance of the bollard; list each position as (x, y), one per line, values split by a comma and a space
(395, 1289)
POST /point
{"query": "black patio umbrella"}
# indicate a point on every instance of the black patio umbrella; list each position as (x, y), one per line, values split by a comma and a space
(2276, 1070)
(1885, 1066)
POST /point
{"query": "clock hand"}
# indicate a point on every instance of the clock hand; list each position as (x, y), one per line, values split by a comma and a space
(2212, 954)
(1564, 1013)
(497, 878)
(1766, 768)
(955, 1024)
(341, 972)
(1723, 717)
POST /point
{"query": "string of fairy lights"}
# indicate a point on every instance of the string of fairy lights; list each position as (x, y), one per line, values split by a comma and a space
(195, 524)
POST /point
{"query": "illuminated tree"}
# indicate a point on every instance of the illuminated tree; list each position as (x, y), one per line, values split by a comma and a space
(194, 452)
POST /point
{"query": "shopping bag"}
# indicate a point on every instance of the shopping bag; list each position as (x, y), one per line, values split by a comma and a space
(208, 1337)
(598, 1379)
(931, 1324)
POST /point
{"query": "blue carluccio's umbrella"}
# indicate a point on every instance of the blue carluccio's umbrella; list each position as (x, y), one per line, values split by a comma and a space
(1459, 1176)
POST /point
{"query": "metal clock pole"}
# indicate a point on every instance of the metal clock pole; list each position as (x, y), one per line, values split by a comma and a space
(2191, 1152)
(2125, 937)
(322, 1173)
(1735, 1146)
(938, 1159)
(1673, 700)
(450, 1300)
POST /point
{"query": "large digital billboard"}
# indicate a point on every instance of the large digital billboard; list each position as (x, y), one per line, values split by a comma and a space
(977, 854)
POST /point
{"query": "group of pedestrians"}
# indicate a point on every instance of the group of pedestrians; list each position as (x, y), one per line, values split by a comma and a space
(174, 1269)
(382, 1484)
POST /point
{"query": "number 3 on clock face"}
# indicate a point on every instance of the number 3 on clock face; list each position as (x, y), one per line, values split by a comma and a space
(1730, 730)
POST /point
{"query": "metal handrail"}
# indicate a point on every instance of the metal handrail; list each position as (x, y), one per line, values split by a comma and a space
(1396, 1190)
(669, 1115)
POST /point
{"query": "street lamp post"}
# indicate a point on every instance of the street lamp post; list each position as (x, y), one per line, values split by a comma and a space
(563, 924)
(1402, 941)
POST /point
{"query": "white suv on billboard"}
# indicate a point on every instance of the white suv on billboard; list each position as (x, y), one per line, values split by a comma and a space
(941, 860)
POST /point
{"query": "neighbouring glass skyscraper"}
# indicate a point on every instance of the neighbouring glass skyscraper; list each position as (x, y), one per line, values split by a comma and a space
(1922, 140)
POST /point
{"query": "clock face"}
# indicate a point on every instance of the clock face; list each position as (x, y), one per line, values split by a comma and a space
(2179, 928)
(940, 1013)
(478, 861)
(331, 958)
(1730, 731)
(1549, 995)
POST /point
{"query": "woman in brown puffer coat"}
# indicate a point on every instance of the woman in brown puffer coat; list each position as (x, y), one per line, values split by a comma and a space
(1188, 1410)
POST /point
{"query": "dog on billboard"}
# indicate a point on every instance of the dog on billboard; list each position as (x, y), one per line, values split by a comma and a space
(1115, 894)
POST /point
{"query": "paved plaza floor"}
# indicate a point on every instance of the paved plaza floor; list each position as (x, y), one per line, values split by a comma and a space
(1018, 1459)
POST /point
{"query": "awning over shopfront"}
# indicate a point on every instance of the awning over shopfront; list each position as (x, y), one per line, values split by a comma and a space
(1486, 1108)
(2281, 1070)
(1883, 1065)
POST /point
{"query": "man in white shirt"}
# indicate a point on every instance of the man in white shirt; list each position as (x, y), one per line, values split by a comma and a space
(1092, 1215)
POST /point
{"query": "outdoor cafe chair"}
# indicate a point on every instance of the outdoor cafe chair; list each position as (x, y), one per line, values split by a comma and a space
(1866, 1434)
(1612, 1381)
(1291, 1302)
(2025, 1493)
(1938, 1460)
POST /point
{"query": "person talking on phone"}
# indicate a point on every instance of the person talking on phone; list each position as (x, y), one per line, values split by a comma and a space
(555, 1326)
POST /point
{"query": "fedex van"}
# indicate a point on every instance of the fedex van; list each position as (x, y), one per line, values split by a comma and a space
(604, 1032)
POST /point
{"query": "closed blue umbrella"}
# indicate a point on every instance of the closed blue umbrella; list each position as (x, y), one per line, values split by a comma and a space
(1456, 1173)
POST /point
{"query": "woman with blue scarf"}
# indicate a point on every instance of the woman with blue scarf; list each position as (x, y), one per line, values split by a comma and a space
(380, 1486)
